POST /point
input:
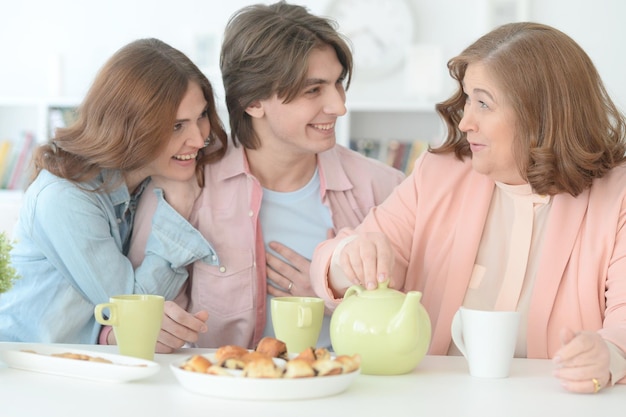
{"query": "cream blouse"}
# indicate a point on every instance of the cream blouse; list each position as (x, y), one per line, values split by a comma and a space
(508, 258)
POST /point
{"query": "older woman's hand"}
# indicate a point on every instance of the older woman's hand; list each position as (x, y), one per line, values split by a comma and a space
(583, 362)
(366, 259)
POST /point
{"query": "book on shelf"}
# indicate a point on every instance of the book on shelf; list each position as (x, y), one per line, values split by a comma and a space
(400, 154)
(5, 157)
(15, 161)
(60, 117)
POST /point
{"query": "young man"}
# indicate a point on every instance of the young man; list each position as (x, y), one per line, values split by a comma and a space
(285, 185)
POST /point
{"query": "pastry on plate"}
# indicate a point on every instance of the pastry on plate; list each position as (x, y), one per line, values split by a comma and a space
(254, 356)
(324, 367)
(322, 353)
(299, 368)
(217, 370)
(231, 356)
(262, 367)
(197, 363)
(80, 357)
(307, 354)
(273, 347)
(349, 363)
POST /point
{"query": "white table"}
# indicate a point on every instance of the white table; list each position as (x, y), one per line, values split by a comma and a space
(440, 386)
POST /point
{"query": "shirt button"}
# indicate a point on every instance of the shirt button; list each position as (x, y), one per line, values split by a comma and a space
(214, 258)
(250, 213)
(222, 269)
(119, 221)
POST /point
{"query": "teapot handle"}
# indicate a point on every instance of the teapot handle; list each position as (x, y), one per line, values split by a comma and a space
(457, 332)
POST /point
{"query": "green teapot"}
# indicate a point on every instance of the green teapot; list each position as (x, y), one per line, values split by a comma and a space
(389, 329)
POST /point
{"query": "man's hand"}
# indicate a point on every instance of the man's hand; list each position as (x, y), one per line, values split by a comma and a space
(293, 275)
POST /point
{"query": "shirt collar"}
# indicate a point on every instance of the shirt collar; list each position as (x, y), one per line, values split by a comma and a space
(233, 163)
(119, 193)
(332, 175)
(523, 191)
(331, 172)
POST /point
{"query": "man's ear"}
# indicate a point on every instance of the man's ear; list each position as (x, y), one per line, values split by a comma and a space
(255, 110)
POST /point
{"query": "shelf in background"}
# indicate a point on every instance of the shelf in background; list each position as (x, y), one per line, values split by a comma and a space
(24, 123)
(397, 106)
(10, 203)
(19, 115)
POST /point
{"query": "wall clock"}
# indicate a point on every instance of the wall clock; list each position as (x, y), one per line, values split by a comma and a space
(380, 32)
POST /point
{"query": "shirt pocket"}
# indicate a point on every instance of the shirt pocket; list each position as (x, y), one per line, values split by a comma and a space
(227, 289)
(478, 273)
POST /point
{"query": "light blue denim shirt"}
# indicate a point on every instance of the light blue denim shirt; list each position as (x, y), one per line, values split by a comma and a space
(70, 246)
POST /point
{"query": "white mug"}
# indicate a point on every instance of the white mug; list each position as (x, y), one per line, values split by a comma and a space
(487, 339)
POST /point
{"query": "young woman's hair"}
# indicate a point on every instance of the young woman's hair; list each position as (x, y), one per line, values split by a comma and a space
(265, 52)
(568, 130)
(128, 115)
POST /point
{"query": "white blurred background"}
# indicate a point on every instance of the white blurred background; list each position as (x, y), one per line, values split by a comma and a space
(52, 48)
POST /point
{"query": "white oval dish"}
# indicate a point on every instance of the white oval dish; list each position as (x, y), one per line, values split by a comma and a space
(38, 359)
(243, 388)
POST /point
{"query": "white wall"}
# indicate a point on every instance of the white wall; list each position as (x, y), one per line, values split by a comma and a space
(54, 47)
(598, 26)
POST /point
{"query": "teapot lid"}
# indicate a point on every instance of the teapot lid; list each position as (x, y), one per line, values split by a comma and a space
(383, 291)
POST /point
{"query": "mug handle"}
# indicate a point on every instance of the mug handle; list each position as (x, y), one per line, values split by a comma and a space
(305, 317)
(97, 312)
(457, 332)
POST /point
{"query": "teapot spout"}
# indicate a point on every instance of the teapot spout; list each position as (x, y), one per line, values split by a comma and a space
(410, 308)
(412, 324)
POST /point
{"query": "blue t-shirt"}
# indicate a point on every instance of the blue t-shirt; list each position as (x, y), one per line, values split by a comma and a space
(300, 221)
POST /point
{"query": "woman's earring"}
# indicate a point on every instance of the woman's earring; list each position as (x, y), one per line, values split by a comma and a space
(207, 141)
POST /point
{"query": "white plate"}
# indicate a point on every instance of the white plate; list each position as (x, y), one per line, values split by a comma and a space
(123, 368)
(242, 388)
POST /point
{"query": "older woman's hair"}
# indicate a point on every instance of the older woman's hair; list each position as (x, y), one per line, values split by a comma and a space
(265, 52)
(568, 130)
(128, 115)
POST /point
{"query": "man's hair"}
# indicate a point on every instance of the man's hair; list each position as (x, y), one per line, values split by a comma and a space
(265, 51)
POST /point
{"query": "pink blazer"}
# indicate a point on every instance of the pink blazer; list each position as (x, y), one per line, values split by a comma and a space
(435, 219)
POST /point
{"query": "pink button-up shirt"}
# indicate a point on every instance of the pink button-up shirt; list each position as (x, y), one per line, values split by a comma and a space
(227, 215)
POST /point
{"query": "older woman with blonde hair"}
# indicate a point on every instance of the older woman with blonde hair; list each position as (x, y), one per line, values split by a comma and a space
(521, 208)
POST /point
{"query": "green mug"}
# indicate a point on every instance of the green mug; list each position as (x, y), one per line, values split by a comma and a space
(297, 321)
(136, 321)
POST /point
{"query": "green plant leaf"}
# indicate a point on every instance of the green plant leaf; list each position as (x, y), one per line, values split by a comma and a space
(7, 273)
